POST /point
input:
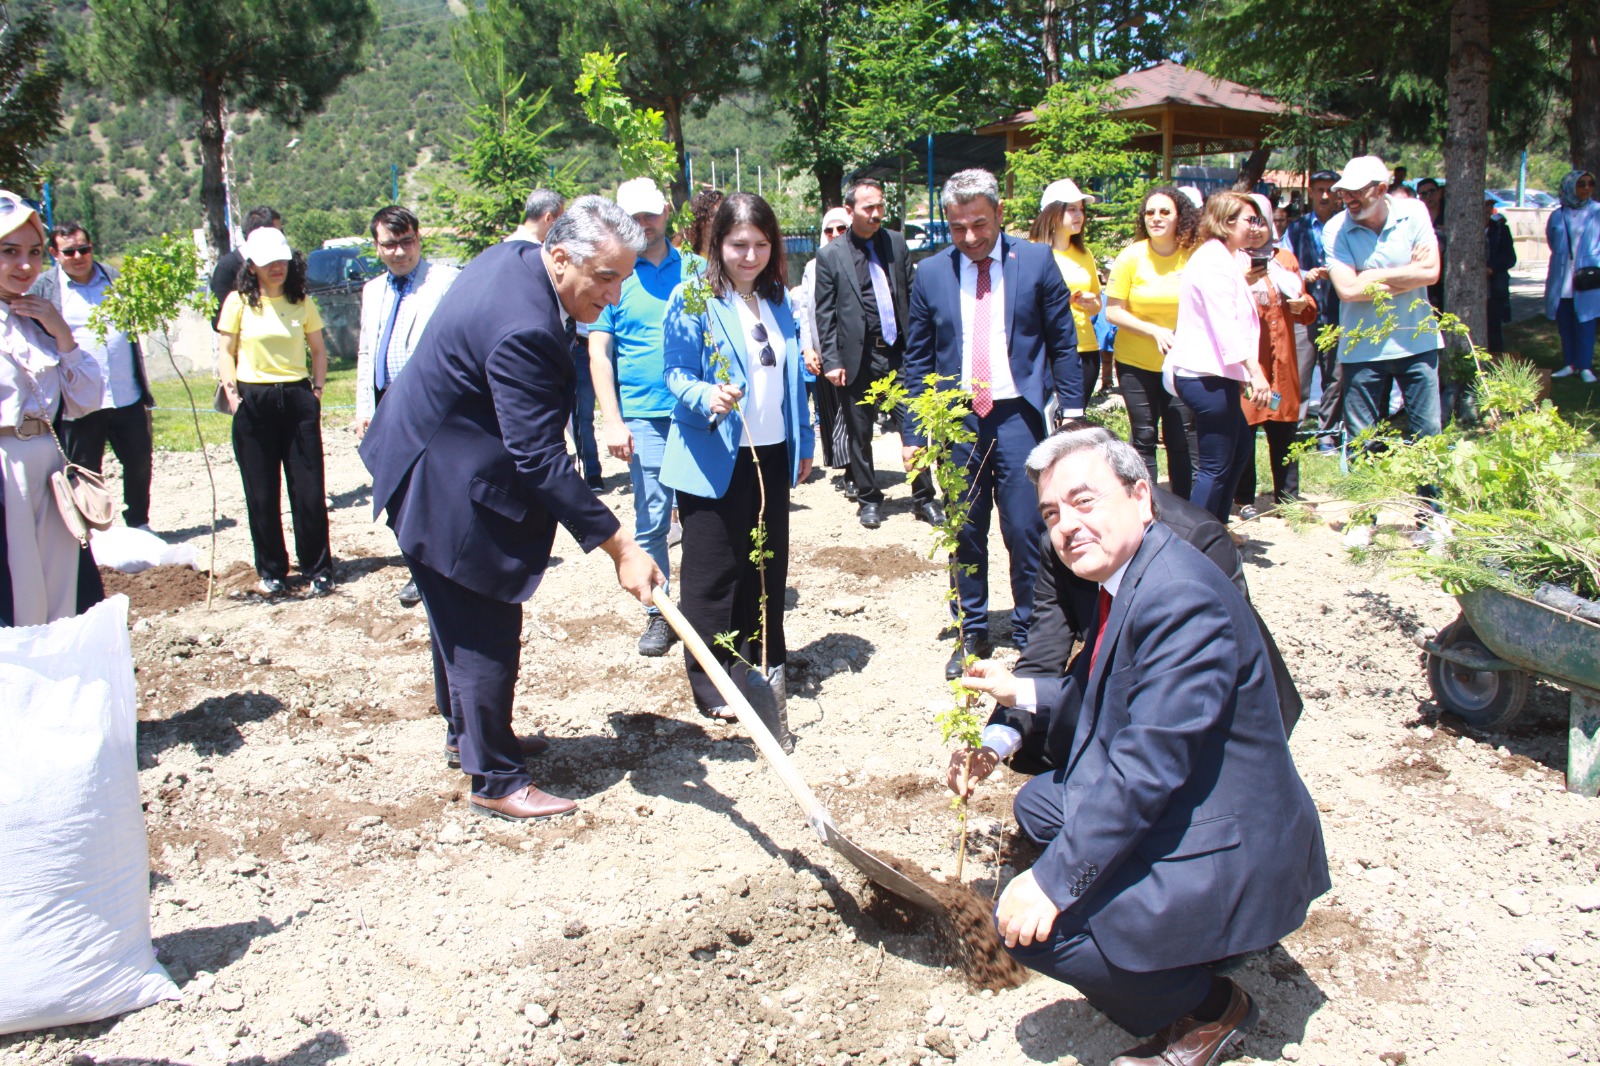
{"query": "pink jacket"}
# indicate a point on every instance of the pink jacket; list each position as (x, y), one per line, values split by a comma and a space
(1218, 332)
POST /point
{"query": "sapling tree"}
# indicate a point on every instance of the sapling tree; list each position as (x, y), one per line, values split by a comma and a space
(941, 412)
(154, 287)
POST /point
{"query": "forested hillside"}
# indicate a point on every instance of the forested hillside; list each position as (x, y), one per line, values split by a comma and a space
(131, 170)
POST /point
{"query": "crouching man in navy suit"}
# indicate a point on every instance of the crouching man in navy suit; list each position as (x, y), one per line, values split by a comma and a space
(1178, 832)
(468, 457)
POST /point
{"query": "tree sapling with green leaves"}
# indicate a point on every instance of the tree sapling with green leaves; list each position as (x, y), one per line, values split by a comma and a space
(152, 290)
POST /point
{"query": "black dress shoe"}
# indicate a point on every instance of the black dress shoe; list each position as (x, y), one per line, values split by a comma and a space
(930, 512)
(409, 596)
(869, 515)
(977, 647)
(849, 490)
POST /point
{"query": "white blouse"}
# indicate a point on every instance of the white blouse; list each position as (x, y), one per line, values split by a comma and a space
(763, 399)
(35, 378)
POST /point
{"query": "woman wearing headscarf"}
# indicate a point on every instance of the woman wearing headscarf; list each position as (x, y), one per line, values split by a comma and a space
(1282, 303)
(1570, 298)
(835, 443)
(1060, 223)
(44, 376)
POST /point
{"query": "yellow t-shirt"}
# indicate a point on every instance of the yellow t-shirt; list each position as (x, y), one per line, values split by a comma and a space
(272, 340)
(1078, 270)
(1148, 284)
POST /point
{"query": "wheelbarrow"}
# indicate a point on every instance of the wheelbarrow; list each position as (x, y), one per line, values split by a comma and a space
(1481, 666)
(879, 871)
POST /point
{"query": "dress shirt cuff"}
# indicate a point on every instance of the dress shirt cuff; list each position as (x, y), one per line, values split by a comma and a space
(1002, 739)
(1027, 694)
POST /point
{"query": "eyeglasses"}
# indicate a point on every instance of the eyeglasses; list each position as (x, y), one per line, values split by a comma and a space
(76, 250)
(1165, 212)
(399, 245)
(834, 230)
(1583, 183)
(768, 356)
(1255, 220)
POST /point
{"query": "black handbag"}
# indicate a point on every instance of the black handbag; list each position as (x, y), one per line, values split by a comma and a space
(1584, 279)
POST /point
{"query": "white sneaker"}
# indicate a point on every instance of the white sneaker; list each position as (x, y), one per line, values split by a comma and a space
(1564, 372)
(1587, 377)
(1359, 536)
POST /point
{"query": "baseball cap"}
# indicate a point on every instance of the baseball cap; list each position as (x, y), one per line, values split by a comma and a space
(639, 196)
(1064, 191)
(1325, 175)
(267, 245)
(1362, 171)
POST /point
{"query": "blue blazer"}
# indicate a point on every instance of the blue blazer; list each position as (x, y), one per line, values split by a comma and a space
(1584, 227)
(702, 447)
(467, 450)
(1040, 337)
(1188, 835)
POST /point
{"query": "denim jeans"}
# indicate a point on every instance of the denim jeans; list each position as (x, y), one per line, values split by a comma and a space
(652, 501)
(1367, 387)
(1577, 338)
(1224, 440)
(583, 415)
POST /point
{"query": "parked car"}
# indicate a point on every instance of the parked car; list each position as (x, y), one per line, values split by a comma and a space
(1531, 198)
(340, 269)
(924, 237)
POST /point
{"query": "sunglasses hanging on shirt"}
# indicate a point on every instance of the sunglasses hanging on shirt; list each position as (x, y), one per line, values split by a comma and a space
(768, 356)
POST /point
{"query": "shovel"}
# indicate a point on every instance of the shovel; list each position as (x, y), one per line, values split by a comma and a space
(869, 864)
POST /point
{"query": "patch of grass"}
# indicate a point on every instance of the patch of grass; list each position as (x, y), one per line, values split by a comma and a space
(174, 427)
(1536, 340)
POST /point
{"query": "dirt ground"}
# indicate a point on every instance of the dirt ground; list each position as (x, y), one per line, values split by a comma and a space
(321, 892)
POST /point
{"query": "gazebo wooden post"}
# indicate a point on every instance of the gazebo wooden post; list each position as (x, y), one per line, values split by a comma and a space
(1166, 144)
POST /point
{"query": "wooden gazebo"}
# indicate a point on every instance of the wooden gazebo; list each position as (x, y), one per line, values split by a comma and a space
(1188, 114)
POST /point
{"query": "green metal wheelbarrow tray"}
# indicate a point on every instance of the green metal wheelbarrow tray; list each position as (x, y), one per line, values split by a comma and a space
(1481, 666)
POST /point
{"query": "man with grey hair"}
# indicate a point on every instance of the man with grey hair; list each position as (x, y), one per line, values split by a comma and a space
(1177, 833)
(469, 460)
(992, 314)
(538, 215)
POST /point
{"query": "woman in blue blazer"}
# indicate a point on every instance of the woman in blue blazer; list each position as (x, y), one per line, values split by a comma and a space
(1573, 232)
(735, 369)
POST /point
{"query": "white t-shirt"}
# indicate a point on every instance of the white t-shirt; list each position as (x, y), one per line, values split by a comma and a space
(763, 399)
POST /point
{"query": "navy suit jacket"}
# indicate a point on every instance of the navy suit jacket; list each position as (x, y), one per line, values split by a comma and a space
(1040, 338)
(1187, 835)
(1303, 243)
(467, 450)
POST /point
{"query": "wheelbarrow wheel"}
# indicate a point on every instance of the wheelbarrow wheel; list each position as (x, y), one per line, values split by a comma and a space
(1485, 699)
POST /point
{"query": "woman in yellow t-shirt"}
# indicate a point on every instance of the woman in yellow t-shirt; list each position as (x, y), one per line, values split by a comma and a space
(275, 395)
(1142, 302)
(1060, 224)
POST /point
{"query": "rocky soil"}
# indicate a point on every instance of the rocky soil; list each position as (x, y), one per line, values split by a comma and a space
(321, 892)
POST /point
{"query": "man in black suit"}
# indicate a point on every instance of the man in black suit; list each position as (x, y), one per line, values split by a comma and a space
(468, 457)
(862, 283)
(1177, 832)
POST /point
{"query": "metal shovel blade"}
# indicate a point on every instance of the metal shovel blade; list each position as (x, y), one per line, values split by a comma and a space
(740, 697)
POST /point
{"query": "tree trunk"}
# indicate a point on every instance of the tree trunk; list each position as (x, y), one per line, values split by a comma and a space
(213, 194)
(1254, 167)
(830, 180)
(672, 114)
(1585, 121)
(1050, 42)
(1466, 155)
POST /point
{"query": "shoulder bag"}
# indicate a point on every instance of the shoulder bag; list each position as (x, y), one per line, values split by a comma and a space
(81, 495)
(1584, 278)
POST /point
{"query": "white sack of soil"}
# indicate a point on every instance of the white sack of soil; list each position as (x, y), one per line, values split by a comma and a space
(74, 862)
(133, 551)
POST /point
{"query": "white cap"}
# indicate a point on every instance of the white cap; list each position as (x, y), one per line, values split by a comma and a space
(267, 245)
(1195, 196)
(639, 196)
(1064, 191)
(1362, 171)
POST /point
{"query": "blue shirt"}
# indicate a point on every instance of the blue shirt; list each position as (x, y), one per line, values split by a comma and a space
(1360, 248)
(634, 323)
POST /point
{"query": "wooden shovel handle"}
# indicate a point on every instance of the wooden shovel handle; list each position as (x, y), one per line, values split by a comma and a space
(765, 742)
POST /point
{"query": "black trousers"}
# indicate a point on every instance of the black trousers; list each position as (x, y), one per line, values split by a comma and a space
(1285, 476)
(127, 430)
(477, 651)
(719, 588)
(860, 419)
(279, 428)
(1152, 407)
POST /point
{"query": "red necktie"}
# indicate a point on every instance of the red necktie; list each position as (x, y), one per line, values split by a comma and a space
(1100, 627)
(982, 401)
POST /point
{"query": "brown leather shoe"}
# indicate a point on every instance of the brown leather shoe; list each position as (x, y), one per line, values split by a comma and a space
(523, 805)
(1187, 1042)
(530, 746)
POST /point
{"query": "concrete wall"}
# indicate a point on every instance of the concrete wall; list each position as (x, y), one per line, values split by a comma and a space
(1527, 229)
(195, 344)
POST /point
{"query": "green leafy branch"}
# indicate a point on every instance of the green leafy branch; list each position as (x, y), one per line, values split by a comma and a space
(941, 413)
(152, 290)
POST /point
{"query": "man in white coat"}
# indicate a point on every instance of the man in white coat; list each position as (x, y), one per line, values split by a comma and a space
(395, 308)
